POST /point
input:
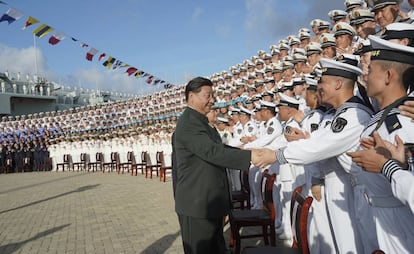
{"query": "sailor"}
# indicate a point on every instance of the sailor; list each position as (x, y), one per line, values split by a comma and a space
(329, 145)
(389, 213)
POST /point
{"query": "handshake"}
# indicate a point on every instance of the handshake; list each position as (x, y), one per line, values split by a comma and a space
(263, 157)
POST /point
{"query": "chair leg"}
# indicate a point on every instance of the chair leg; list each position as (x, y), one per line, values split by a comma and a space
(272, 235)
(265, 235)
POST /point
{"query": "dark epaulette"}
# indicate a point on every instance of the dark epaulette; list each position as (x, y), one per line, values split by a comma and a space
(391, 120)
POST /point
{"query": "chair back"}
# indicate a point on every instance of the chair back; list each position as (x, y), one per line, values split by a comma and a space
(66, 158)
(99, 157)
(83, 157)
(268, 181)
(144, 157)
(114, 157)
(160, 158)
(300, 206)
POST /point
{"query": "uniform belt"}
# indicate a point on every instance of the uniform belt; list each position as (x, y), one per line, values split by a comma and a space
(383, 202)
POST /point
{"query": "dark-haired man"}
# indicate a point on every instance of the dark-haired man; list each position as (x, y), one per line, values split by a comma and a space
(202, 193)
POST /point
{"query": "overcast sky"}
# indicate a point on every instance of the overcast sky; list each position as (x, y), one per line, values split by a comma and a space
(172, 40)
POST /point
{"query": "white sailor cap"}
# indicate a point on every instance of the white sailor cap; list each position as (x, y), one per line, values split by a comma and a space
(360, 16)
(267, 105)
(272, 47)
(391, 51)
(313, 48)
(287, 65)
(259, 61)
(379, 4)
(323, 25)
(363, 47)
(315, 22)
(297, 58)
(235, 111)
(343, 28)
(304, 30)
(336, 15)
(275, 51)
(299, 51)
(267, 93)
(334, 68)
(312, 83)
(288, 101)
(398, 30)
(348, 58)
(277, 68)
(327, 40)
(349, 4)
(284, 46)
(298, 81)
(245, 111)
(304, 35)
(287, 85)
(221, 119)
(293, 41)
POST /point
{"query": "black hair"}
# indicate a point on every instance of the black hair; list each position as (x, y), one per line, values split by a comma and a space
(195, 85)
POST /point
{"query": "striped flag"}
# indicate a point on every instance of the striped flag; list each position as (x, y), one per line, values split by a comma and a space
(56, 38)
(11, 15)
(91, 53)
(30, 21)
(42, 30)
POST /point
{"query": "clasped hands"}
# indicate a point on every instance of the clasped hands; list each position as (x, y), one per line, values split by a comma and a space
(263, 157)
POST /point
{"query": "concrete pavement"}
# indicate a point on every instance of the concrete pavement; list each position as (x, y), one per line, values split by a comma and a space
(81, 212)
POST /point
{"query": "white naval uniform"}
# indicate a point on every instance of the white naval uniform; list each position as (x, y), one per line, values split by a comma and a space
(320, 238)
(270, 131)
(392, 220)
(290, 176)
(402, 185)
(328, 145)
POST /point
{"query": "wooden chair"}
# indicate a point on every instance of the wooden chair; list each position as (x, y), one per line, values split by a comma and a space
(299, 221)
(128, 165)
(141, 165)
(152, 167)
(259, 217)
(114, 163)
(242, 196)
(162, 167)
(83, 164)
(67, 161)
(98, 163)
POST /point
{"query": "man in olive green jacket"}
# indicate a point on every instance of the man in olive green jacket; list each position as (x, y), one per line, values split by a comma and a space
(202, 193)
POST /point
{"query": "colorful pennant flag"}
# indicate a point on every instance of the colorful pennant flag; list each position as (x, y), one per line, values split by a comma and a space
(42, 30)
(108, 63)
(91, 53)
(74, 39)
(138, 74)
(101, 56)
(149, 79)
(131, 70)
(56, 38)
(30, 21)
(84, 45)
(11, 15)
(168, 86)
